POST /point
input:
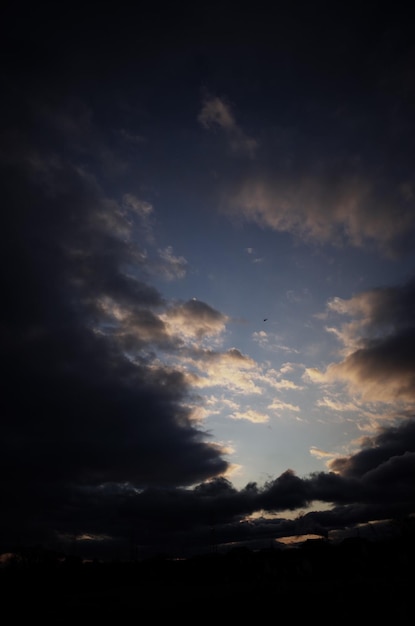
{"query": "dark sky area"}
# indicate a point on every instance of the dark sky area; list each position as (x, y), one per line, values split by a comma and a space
(143, 396)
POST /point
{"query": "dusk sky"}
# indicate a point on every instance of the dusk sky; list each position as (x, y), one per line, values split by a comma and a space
(207, 275)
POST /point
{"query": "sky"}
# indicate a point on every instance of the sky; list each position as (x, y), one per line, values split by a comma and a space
(207, 274)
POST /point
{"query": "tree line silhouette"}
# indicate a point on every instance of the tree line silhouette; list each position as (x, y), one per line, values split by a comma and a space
(374, 575)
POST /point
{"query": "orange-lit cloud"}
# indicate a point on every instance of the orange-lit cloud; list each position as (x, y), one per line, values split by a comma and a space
(377, 360)
(194, 319)
(278, 406)
(325, 209)
(251, 415)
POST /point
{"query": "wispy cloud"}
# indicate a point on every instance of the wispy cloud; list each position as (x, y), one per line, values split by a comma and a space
(329, 208)
(251, 415)
(279, 406)
(216, 112)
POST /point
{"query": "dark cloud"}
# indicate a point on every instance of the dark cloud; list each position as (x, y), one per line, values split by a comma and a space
(389, 362)
(391, 442)
(79, 415)
(380, 341)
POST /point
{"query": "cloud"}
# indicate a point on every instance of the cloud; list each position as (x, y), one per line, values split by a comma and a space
(173, 266)
(251, 252)
(381, 455)
(278, 406)
(195, 320)
(216, 112)
(141, 208)
(271, 341)
(331, 207)
(231, 370)
(251, 416)
(286, 384)
(96, 444)
(336, 405)
(378, 363)
(376, 483)
(83, 419)
(100, 428)
(131, 137)
(321, 454)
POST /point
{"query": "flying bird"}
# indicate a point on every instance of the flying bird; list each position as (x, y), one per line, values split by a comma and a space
(265, 319)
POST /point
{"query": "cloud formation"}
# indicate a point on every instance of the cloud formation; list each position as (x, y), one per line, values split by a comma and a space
(378, 363)
(103, 428)
(98, 443)
(216, 112)
(331, 207)
(87, 408)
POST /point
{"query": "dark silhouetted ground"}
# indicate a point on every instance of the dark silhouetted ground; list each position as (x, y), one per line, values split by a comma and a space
(353, 581)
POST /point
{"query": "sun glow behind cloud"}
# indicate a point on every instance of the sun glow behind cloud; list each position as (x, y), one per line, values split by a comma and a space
(374, 361)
